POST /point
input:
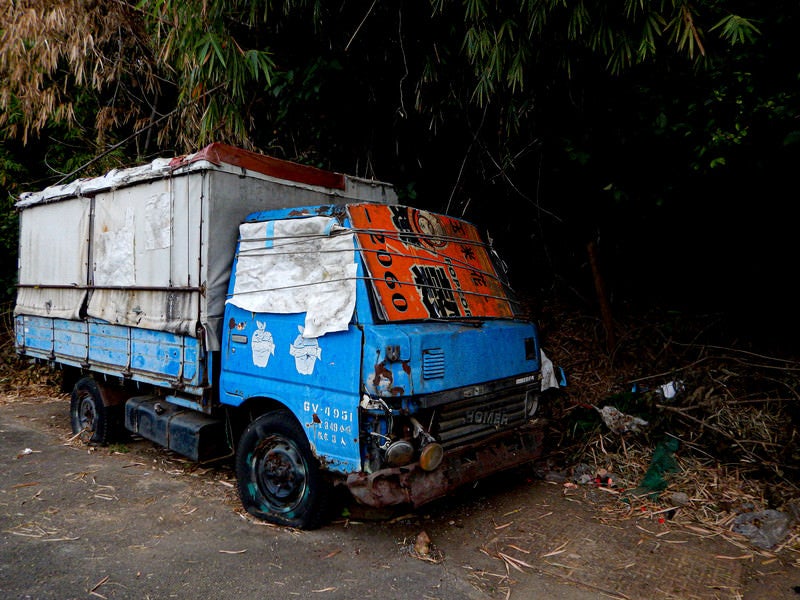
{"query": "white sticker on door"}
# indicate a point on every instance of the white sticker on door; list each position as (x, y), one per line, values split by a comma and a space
(306, 352)
(262, 345)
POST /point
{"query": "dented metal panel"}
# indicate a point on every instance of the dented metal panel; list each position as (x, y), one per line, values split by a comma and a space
(157, 357)
(34, 334)
(446, 356)
(413, 485)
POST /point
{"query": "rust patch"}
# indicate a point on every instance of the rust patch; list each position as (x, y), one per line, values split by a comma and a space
(232, 323)
(406, 367)
(461, 466)
(315, 418)
(381, 372)
(298, 213)
(397, 391)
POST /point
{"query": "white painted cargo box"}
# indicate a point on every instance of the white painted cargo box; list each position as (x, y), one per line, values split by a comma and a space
(152, 246)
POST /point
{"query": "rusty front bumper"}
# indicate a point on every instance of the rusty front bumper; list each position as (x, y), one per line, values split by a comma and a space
(412, 485)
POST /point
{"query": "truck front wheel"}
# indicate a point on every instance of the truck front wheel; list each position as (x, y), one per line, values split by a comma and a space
(279, 479)
(89, 416)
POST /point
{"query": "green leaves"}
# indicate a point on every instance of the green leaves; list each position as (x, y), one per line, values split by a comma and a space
(215, 58)
(737, 30)
(503, 41)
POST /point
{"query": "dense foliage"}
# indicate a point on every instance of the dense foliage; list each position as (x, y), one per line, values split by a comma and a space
(664, 132)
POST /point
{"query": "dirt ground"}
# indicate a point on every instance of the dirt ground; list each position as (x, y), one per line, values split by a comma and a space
(135, 521)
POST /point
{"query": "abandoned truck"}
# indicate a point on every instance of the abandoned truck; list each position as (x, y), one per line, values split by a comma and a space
(226, 304)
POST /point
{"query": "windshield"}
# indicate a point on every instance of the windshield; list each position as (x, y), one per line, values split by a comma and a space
(423, 265)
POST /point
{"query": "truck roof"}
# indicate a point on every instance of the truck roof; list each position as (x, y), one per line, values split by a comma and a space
(216, 156)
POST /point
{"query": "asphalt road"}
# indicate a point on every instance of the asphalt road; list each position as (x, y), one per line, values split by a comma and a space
(136, 522)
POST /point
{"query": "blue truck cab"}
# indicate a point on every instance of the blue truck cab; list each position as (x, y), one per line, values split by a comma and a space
(229, 305)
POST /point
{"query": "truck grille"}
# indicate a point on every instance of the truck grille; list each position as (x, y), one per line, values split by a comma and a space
(471, 419)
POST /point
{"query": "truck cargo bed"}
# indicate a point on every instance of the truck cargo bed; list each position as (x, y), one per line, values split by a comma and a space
(156, 357)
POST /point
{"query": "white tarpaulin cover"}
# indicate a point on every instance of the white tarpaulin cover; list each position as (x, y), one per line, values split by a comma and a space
(52, 274)
(295, 266)
(142, 278)
(114, 253)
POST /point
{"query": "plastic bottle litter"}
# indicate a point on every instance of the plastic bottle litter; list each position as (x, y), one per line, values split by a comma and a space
(671, 389)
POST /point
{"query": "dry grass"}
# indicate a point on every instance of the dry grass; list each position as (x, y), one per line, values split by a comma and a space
(21, 380)
(737, 422)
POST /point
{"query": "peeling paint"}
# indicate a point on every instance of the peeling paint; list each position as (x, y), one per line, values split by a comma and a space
(381, 373)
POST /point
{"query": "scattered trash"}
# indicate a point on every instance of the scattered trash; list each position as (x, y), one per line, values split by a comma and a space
(679, 499)
(603, 478)
(422, 544)
(764, 529)
(662, 462)
(26, 452)
(555, 476)
(582, 474)
(423, 549)
(667, 391)
(619, 422)
(670, 390)
(552, 376)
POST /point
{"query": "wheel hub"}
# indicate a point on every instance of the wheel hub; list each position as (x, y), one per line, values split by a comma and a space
(280, 473)
(87, 414)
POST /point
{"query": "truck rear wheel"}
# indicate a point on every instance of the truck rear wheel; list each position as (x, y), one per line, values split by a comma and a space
(89, 416)
(279, 479)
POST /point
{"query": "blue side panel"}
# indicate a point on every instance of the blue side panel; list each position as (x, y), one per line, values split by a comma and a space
(265, 356)
(191, 361)
(156, 352)
(35, 334)
(154, 357)
(109, 345)
(70, 340)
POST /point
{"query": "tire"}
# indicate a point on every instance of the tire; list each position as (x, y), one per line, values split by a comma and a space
(90, 418)
(278, 477)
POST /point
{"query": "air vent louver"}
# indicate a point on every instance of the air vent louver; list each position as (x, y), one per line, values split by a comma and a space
(433, 363)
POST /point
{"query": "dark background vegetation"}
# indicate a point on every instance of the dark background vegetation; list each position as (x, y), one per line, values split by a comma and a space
(664, 133)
